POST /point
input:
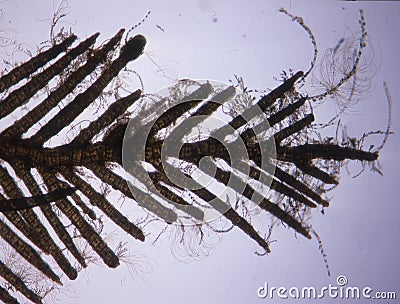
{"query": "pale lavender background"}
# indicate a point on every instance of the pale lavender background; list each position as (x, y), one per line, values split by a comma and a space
(360, 228)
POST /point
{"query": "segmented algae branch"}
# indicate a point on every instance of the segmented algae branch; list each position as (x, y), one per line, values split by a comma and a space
(51, 224)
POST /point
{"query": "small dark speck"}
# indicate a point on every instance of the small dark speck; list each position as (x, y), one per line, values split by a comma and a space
(160, 28)
(214, 18)
(180, 14)
(244, 35)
